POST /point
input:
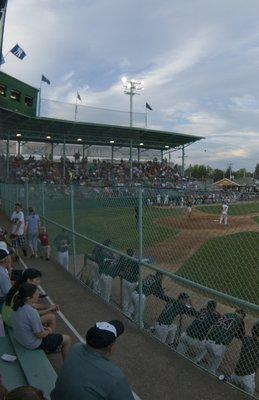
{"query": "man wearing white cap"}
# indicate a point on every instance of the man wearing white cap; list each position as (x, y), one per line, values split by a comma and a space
(88, 373)
(5, 283)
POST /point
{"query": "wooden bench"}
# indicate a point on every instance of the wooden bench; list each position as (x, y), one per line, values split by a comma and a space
(35, 366)
(12, 373)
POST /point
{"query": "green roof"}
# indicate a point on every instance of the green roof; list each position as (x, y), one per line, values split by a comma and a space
(35, 129)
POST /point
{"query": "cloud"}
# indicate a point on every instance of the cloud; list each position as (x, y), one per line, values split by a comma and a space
(199, 61)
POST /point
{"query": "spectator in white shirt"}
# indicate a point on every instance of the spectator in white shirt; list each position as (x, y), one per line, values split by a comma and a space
(5, 283)
(17, 230)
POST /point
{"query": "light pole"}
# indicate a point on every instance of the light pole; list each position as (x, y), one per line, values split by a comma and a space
(131, 86)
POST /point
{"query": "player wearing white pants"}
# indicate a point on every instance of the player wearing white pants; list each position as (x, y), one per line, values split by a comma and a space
(216, 353)
(186, 342)
(247, 382)
(165, 328)
(194, 337)
(245, 370)
(106, 286)
(63, 259)
(127, 291)
(224, 214)
(165, 333)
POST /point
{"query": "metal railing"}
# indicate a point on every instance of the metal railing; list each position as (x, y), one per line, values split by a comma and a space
(167, 283)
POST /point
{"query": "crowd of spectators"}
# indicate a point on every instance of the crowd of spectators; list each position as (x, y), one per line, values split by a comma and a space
(84, 172)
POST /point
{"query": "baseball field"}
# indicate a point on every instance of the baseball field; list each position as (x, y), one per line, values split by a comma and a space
(225, 258)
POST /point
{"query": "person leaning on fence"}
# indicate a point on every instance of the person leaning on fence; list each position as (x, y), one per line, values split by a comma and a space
(151, 285)
(62, 242)
(44, 243)
(32, 230)
(17, 231)
(165, 328)
(222, 333)
(5, 283)
(196, 333)
(129, 272)
(88, 373)
(27, 326)
(248, 362)
(109, 271)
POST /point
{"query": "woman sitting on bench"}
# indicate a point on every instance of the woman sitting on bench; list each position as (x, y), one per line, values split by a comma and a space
(27, 326)
(30, 275)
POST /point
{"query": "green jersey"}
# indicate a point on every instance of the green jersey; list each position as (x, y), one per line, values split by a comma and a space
(129, 269)
(249, 357)
(172, 309)
(200, 327)
(152, 285)
(226, 328)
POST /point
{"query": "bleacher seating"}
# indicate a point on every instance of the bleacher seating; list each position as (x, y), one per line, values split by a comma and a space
(31, 368)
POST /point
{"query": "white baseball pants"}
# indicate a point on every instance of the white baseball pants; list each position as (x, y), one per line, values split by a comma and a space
(63, 259)
(246, 382)
(127, 302)
(106, 286)
(94, 277)
(215, 353)
(223, 219)
(186, 342)
(165, 333)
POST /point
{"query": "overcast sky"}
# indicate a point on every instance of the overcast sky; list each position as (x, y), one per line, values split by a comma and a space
(199, 60)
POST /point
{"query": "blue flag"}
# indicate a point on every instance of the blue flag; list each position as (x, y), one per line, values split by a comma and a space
(44, 79)
(18, 52)
(149, 107)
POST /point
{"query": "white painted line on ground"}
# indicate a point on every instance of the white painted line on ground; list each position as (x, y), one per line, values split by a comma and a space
(62, 316)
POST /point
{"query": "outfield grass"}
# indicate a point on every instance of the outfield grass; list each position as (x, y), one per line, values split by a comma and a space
(228, 264)
(116, 221)
(234, 209)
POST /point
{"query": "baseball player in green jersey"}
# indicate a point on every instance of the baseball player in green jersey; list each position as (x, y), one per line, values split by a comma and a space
(248, 362)
(194, 337)
(165, 328)
(151, 285)
(129, 272)
(222, 333)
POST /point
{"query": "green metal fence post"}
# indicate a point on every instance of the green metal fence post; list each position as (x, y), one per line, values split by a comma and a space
(43, 200)
(73, 227)
(140, 248)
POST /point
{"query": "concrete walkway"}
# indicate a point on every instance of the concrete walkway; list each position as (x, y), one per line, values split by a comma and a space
(153, 371)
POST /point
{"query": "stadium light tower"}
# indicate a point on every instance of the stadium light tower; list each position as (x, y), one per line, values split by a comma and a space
(131, 87)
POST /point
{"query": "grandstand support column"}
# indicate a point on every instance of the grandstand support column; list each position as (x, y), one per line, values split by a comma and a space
(43, 200)
(73, 227)
(7, 156)
(138, 154)
(83, 151)
(112, 157)
(52, 151)
(19, 148)
(27, 195)
(162, 155)
(183, 160)
(130, 160)
(64, 160)
(140, 251)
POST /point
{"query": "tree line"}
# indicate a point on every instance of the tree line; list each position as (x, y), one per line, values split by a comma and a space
(202, 172)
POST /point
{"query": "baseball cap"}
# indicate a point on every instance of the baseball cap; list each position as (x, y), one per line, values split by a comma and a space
(3, 254)
(102, 334)
(183, 296)
(3, 246)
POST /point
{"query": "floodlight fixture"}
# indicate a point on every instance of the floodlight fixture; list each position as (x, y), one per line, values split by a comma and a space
(111, 141)
(18, 134)
(166, 146)
(141, 144)
(79, 139)
(48, 137)
(131, 87)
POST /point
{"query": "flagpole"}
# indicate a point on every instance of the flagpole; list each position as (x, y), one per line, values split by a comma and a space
(76, 107)
(146, 118)
(39, 108)
(2, 35)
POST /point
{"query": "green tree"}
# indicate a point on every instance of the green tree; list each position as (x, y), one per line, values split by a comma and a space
(217, 175)
(256, 173)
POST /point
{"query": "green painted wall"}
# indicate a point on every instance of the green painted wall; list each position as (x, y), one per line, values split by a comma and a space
(6, 101)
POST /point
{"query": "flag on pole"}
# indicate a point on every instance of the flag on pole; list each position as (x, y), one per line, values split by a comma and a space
(148, 107)
(44, 79)
(78, 97)
(18, 52)
(3, 7)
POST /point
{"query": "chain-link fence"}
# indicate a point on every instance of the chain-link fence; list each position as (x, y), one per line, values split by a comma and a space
(180, 263)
